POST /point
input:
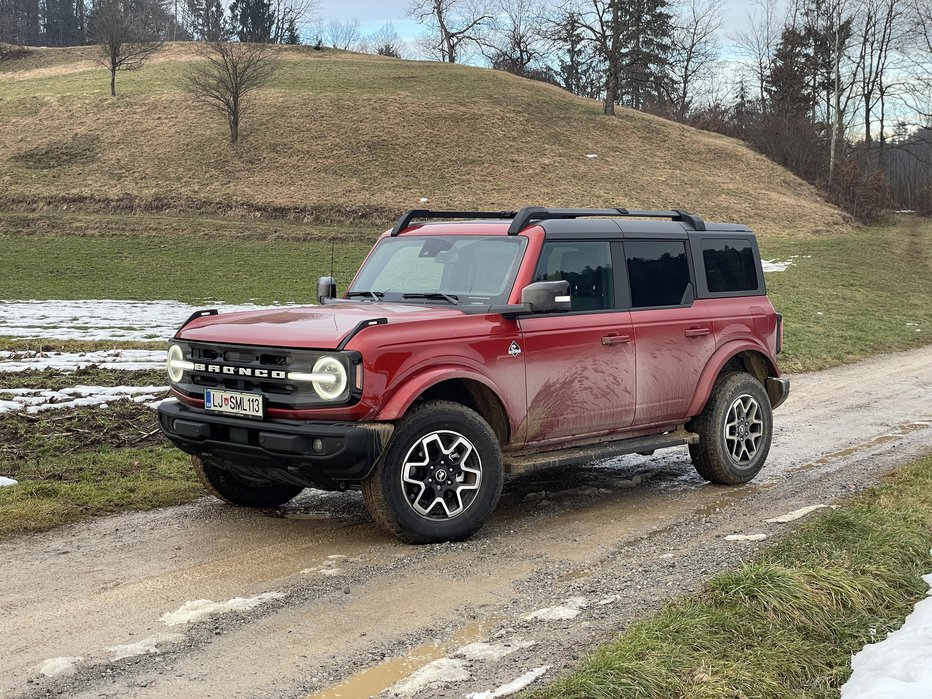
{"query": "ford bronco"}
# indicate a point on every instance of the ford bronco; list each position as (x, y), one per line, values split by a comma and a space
(471, 345)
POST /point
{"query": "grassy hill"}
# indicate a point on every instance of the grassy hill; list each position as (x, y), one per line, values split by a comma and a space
(347, 138)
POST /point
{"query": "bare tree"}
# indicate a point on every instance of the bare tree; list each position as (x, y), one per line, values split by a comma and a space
(695, 48)
(759, 42)
(385, 42)
(125, 40)
(227, 77)
(453, 24)
(919, 54)
(601, 22)
(342, 35)
(880, 32)
(520, 35)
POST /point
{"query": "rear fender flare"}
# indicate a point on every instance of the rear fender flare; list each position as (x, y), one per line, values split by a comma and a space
(715, 365)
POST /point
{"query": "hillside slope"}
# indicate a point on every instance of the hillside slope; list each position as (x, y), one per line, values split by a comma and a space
(343, 137)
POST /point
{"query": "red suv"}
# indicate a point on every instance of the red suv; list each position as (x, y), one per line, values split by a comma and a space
(477, 344)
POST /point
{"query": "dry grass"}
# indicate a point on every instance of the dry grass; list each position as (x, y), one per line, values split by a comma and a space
(347, 138)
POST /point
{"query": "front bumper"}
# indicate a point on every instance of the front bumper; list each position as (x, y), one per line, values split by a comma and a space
(777, 391)
(277, 450)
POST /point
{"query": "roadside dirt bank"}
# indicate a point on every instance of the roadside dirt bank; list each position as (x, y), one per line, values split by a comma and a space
(317, 601)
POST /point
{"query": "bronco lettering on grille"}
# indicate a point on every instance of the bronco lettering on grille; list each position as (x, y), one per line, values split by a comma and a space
(241, 371)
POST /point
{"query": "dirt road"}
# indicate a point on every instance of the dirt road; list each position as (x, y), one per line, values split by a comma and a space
(204, 600)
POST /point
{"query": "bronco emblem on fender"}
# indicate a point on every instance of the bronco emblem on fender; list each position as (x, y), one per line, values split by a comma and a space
(514, 350)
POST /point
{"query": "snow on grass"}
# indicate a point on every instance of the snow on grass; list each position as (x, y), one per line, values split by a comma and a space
(795, 514)
(98, 319)
(37, 400)
(6, 482)
(196, 610)
(745, 537)
(118, 359)
(900, 666)
(781, 265)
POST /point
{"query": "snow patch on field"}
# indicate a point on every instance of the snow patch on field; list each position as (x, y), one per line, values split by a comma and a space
(781, 265)
(145, 646)
(745, 537)
(512, 687)
(37, 400)
(99, 319)
(119, 359)
(194, 611)
(795, 514)
(900, 666)
(6, 482)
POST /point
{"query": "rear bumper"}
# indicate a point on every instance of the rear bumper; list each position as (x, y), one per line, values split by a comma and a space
(313, 454)
(777, 391)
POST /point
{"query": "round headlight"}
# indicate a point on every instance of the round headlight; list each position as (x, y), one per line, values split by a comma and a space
(175, 363)
(330, 389)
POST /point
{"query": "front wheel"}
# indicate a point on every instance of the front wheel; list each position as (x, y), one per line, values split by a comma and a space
(735, 430)
(440, 477)
(241, 491)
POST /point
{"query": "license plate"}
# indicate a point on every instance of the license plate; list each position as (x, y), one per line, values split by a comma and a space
(233, 403)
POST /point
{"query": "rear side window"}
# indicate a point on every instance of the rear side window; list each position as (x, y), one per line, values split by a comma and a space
(586, 265)
(658, 272)
(729, 265)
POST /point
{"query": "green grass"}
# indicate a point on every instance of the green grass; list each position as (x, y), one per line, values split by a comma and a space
(859, 294)
(785, 624)
(56, 490)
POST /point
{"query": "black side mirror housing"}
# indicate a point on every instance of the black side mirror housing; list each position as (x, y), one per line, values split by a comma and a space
(547, 297)
(326, 289)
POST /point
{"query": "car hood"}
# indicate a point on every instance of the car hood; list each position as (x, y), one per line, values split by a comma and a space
(313, 327)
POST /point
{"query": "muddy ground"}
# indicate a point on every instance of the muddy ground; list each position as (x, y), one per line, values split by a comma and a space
(316, 601)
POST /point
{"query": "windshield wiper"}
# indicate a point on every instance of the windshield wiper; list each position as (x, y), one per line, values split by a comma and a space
(433, 296)
(374, 295)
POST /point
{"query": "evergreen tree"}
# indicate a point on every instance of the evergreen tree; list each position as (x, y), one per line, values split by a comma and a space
(252, 20)
(646, 31)
(789, 86)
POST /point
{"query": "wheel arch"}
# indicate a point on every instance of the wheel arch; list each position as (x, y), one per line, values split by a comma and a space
(743, 357)
(474, 392)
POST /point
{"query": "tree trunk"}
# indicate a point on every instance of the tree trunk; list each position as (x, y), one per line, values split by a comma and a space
(113, 80)
(608, 107)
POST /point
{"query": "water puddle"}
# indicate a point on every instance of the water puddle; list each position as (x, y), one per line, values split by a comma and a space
(375, 680)
(728, 497)
(898, 432)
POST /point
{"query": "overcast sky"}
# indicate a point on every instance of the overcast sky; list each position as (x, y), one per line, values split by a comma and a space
(372, 14)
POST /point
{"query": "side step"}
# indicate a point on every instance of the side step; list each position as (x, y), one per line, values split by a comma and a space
(581, 455)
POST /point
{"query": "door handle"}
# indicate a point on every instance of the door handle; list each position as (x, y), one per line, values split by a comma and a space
(697, 332)
(616, 339)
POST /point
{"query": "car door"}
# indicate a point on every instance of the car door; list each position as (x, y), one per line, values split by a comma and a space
(580, 364)
(673, 334)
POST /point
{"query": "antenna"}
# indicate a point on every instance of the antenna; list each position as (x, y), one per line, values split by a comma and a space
(331, 257)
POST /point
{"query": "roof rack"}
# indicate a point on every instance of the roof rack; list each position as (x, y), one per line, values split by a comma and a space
(523, 218)
(408, 217)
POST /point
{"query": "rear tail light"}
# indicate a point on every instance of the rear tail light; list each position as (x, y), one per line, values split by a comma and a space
(779, 333)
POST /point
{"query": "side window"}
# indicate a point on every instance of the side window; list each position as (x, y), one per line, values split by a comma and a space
(729, 265)
(658, 271)
(586, 265)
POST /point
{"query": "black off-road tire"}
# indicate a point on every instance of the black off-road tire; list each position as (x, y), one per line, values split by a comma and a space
(724, 425)
(242, 492)
(424, 435)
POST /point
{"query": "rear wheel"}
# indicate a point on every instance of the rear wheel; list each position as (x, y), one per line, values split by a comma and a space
(735, 430)
(243, 492)
(439, 478)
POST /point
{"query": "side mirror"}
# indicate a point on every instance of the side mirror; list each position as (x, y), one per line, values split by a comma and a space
(547, 297)
(326, 289)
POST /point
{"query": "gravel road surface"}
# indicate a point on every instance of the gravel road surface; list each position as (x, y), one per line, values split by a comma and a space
(205, 600)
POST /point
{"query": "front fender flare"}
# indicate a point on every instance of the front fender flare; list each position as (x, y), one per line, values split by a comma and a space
(714, 367)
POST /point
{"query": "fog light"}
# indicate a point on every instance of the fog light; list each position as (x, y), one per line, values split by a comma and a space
(318, 446)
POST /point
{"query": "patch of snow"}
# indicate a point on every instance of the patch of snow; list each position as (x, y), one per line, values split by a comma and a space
(145, 646)
(99, 319)
(795, 514)
(492, 651)
(782, 265)
(37, 400)
(56, 667)
(424, 200)
(745, 537)
(194, 611)
(435, 674)
(568, 610)
(6, 482)
(512, 687)
(119, 359)
(900, 666)
(592, 155)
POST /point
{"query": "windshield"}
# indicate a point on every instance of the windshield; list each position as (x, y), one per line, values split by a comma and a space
(470, 270)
